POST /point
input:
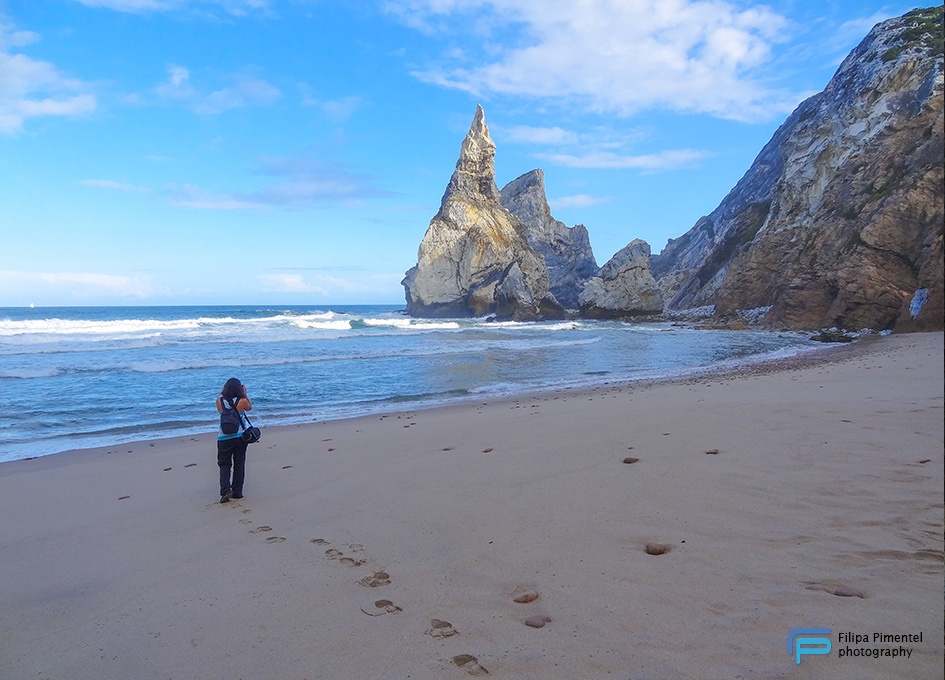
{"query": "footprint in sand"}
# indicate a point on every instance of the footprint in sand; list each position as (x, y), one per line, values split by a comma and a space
(631, 460)
(382, 607)
(355, 547)
(246, 521)
(319, 541)
(333, 553)
(537, 621)
(470, 664)
(378, 578)
(656, 548)
(525, 598)
(441, 629)
(838, 589)
(350, 562)
(276, 539)
(260, 529)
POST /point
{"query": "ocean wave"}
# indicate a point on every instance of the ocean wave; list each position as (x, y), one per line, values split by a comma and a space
(412, 324)
(419, 397)
(77, 335)
(82, 327)
(26, 374)
(531, 325)
(307, 324)
(501, 388)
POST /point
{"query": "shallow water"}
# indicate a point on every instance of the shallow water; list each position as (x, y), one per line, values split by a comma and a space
(77, 377)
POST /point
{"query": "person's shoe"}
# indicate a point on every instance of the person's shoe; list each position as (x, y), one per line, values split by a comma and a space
(225, 498)
(237, 495)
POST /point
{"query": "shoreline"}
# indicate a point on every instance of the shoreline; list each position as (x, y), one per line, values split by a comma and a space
(800, 493)
(751, 365)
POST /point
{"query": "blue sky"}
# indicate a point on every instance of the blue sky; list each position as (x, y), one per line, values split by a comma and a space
(293, 151)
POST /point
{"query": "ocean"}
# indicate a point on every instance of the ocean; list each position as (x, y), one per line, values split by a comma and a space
(81, 377)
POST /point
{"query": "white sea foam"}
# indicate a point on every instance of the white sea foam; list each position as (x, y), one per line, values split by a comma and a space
(412, 324)
(137, 327)
(81, 327)
(335, 325)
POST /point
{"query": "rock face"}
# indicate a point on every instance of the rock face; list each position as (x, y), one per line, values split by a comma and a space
(566, 251)
(475, 258)
(623, 287)
(839, 221)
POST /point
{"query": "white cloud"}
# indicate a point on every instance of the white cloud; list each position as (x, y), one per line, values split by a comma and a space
(134, 6)
(300, 181)
(611, 56)
(525, 134)
(12, 38)
(30, 88)
(244, 91)
(600, 148)
(329, 286)
(177, 76)
(192, 196)
(287, 283)
(72, 285)
(576, 201)
(336, 110)
(233, 7)
(664, 160)
(112, 185)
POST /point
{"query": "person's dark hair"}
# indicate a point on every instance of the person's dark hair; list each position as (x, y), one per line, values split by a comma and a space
(232, 390)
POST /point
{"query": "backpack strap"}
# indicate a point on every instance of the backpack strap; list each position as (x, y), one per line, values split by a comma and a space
(232, 406)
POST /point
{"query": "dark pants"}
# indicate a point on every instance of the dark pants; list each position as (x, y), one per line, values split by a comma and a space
(231, 453)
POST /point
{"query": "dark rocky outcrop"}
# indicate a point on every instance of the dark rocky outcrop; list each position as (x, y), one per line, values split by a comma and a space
(839, 221)
(475, 259)
(566, 251)
(623, 287)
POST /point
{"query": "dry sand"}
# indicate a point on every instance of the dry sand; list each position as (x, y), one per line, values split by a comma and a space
(395, 546)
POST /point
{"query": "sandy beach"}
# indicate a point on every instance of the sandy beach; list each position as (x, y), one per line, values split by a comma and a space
(807, 495)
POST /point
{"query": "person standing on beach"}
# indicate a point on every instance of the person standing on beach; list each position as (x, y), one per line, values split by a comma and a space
(231, 449)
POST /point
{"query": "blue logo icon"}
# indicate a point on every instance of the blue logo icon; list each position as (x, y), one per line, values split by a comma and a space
(800, 642)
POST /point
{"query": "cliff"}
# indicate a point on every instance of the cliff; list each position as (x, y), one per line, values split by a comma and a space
(839, 221)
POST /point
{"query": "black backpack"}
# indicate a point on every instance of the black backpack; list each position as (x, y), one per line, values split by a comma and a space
(230, 422)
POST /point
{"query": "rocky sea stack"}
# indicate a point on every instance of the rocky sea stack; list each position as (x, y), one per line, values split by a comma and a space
(566, 250)
(475, 259)
(623, 287)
